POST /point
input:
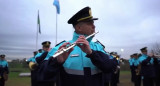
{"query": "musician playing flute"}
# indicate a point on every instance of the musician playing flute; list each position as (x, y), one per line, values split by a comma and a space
(83, 64)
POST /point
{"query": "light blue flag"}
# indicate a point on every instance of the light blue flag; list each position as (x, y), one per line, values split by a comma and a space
(56, 3)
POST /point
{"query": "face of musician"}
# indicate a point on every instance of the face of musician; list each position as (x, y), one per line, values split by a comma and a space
(144, 52)
(136, 56)
(85, 27)
(2, 58)
(46, 48)
(35, 53)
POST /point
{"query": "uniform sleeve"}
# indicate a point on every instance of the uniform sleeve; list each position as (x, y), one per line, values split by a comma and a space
(146, 61)
(117, 65)
(29, 60)
(41, 58)
(131, 62)
(6, 69)
(49, 70)
(155, 61)
(102, 61)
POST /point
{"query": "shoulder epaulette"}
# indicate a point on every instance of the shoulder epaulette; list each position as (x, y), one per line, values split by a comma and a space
(60, 43)
(100, 43)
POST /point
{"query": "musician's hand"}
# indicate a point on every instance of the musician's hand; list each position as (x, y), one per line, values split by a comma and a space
(151, 55)
(83, 44)
(49, 49)
(61, 58)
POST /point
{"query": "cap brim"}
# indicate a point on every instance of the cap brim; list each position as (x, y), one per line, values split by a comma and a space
(91, 19)
(94, 18)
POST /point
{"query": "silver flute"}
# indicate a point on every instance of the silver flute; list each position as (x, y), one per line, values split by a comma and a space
(157, 56)
(71, 46)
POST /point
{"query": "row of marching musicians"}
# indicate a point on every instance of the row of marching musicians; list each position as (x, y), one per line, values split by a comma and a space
(112, 79)
(81, 65)
(145, 68)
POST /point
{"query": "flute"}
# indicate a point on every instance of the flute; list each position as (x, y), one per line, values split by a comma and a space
(71, 46)
(157, 56)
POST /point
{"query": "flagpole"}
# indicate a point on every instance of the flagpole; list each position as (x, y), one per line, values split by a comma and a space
(56, 30)
(56, 3)
(37, 38)
(38, 26)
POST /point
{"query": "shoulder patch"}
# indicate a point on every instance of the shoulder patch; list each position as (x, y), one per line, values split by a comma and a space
(60, 43)
(100, 43)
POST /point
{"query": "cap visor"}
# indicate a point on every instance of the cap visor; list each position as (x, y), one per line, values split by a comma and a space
(94, 18)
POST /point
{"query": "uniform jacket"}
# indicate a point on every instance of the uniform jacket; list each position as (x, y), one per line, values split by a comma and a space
(3, 68)
(79, 69)
(39, 59)
(32, 59)
(4, 65)
(147, 66)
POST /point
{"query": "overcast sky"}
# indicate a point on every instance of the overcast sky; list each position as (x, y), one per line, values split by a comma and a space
(123, 24)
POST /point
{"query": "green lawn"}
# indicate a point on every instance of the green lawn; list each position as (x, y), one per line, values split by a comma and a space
(15, 80)
(125, 79)
(17, 67)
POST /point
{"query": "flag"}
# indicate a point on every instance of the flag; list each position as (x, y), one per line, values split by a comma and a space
(56, 3)
(38, 23)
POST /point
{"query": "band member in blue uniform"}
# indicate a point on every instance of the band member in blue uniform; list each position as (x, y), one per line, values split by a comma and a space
(32, 59)
(158, 71)
(114, 74)
(41, 55)
(147, 68)
(108, 76)
(131, 61)
(40, 60)
(37, 61)
(4, 70)
(157, 68)
(82, 65)
(118, 67)
(32, 65)
(137, 81)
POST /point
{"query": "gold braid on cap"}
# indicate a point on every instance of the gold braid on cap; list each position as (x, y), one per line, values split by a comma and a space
(47, 43)
(90, 16)
(84, 18)
(90, 13)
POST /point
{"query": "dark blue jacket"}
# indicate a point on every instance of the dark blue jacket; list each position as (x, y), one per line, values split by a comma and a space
(51, 70)
(148, 69)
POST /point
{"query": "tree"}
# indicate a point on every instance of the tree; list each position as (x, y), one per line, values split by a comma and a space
(156, 49)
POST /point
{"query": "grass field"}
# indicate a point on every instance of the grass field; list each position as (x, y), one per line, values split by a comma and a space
(15, 80)
(125, 79)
